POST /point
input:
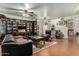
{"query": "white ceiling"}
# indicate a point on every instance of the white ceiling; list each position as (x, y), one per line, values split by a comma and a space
(51, 10)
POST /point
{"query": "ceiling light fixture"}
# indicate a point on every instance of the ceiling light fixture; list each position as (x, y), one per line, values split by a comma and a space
(27, 6)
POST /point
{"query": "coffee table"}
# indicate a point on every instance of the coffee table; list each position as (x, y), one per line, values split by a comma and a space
(37, 39)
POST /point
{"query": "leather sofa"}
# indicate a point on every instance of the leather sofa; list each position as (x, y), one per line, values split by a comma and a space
(10, 47)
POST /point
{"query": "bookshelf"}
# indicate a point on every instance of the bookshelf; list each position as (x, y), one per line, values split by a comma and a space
(31, 27)
(70, 25)
(11, 26)
(15, 26)
(21, 25)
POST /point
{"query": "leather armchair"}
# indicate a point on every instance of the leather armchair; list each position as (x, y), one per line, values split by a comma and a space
(12, 48)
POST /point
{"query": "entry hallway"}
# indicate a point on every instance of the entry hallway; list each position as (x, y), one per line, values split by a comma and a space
(63, 47)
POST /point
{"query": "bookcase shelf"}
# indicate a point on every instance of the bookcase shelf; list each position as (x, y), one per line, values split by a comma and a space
(19, 26)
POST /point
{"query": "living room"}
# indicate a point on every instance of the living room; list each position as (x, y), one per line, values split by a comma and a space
(39, 29)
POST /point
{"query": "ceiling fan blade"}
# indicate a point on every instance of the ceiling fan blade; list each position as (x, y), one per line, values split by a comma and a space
(13, 9)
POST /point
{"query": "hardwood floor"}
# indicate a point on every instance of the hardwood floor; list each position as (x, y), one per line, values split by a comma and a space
(65, 47)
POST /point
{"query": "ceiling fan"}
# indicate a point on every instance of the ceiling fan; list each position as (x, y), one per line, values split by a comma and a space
(20, 11)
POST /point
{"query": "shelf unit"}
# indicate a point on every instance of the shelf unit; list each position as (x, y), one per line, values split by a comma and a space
(21, 25)
(11, 26)
(31, 27)
(70, 25)
(15, 26)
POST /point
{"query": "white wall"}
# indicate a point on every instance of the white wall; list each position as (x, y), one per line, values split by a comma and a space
(40, 24)
(62, 28)
(57, 27)
(54, 22)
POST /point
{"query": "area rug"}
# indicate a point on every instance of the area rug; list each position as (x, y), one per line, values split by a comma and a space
(47, 44)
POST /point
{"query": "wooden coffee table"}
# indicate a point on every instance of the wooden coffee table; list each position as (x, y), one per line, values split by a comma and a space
(37, 39)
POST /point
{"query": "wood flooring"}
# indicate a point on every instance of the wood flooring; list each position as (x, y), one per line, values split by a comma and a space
(64, 47)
